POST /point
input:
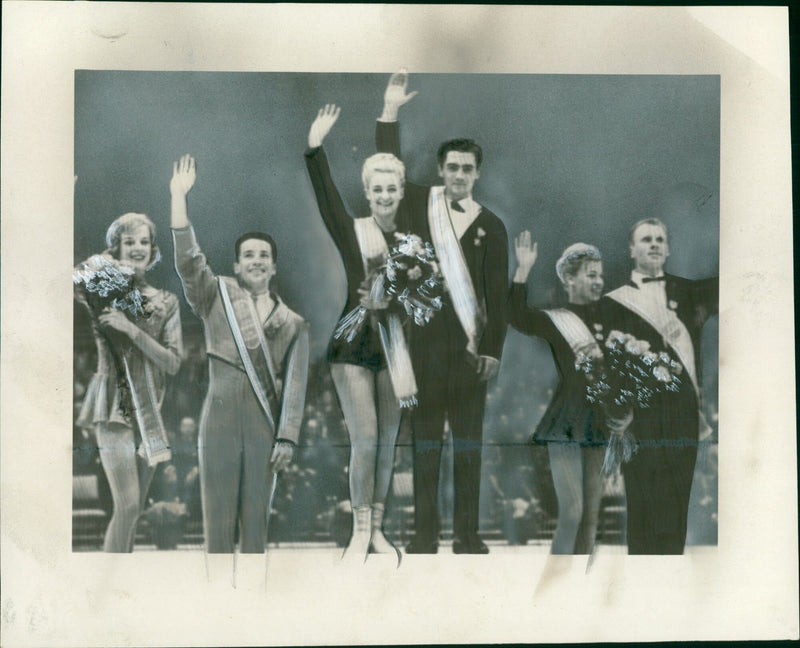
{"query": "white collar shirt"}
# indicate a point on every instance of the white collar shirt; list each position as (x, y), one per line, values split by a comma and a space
(264, 304)
(462, 220)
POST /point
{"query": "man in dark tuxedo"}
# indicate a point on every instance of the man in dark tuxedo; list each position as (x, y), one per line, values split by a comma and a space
(459, 350)
(669, 313)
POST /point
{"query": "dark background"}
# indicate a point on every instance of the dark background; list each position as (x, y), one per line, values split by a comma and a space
(570, 157)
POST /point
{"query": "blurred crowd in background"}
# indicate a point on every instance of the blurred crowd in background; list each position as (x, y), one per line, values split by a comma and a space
(518, 504)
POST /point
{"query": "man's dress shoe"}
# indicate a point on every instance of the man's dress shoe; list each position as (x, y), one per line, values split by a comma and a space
(470, 546)
(415, 547)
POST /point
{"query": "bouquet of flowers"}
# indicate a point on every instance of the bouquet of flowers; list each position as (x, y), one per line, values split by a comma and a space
(104, 283)
(623, 375)
(408, 284)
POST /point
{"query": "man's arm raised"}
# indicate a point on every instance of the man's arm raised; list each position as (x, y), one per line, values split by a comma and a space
(198, 281)
(387, 130)
(183, 176)
(396, 95)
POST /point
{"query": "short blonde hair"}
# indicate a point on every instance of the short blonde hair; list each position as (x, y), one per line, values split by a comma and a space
(126, 223)
(645, 221)
(573, 257)
(385, 162)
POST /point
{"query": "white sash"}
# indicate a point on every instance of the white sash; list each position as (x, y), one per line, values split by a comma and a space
(628, 297)
(374, 251)
(454, 268)
(572, 328)
(244, 354)
(146, 406)
(371, 243)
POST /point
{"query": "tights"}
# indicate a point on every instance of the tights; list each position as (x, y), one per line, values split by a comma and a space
(579, 487)
(129, 479)
(372, 415)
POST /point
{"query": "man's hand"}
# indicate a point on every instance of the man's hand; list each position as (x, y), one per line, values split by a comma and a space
(183, 176)
(282, 454)
(526, 252)
(395, 95)
(487, 367)
(321, 126)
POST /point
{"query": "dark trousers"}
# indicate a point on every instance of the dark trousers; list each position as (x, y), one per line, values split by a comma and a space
(448, 388)
(234, 449)
(658, 479)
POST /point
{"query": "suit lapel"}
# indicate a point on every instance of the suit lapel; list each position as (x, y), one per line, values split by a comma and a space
(473, 253)
(678, 301)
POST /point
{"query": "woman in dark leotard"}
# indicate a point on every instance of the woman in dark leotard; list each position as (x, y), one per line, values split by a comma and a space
(571, 428)
(369, 400)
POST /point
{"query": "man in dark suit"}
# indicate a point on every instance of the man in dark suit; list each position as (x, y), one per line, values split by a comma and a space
(669, 313)
(459, 350)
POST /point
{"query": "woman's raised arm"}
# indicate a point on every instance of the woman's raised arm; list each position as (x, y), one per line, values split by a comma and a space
(331, 206)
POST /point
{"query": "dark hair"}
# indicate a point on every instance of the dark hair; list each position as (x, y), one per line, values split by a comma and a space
(646, 221)
(462, 145)
(261, 237)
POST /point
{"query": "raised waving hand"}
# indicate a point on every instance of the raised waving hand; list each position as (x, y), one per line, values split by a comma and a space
(183, 176)
(396, 95)
(526, 251)
(321, 126)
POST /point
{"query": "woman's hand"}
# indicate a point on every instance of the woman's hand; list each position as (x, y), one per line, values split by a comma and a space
(183, 176)
(396, 95)
(326, 118)
(526, 251)
(116, 320)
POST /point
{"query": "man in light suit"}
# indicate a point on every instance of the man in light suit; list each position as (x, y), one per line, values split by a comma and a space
(459, 350)
(258, 366)
(668, 312)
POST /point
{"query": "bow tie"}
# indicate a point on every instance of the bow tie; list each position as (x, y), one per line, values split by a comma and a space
(456, 207)
(649, 279)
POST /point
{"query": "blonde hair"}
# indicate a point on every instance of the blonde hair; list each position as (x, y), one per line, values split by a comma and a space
(385, 162)
(573, 257)
(645, 221)
(127, 223)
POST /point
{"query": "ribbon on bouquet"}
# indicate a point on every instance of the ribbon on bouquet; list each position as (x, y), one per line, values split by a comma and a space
(398, 359)
(621, 442)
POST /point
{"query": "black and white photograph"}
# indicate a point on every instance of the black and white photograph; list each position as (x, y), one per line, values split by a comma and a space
(404, 415)
(462, 329)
